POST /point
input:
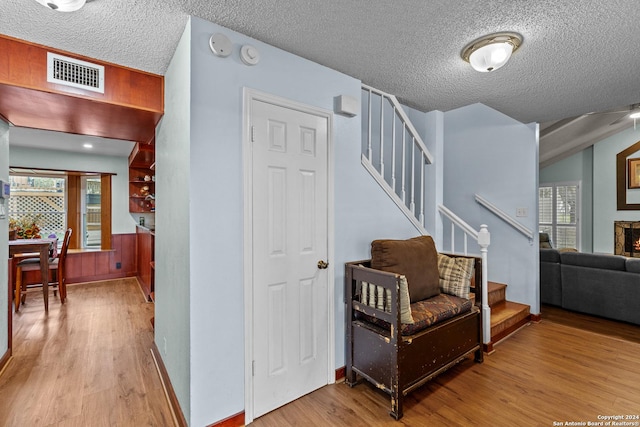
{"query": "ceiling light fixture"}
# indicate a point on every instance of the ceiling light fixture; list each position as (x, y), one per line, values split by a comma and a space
(63, 5)
(87, 145)
(492, 51)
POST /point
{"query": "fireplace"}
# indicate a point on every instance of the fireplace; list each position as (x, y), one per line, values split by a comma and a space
(627, 238)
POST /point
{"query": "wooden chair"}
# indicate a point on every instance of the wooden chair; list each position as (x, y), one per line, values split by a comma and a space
(57, 265)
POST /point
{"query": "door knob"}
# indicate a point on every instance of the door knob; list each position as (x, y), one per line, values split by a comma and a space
(322, 265)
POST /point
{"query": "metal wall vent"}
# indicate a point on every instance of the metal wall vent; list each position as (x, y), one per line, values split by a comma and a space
(75, 73)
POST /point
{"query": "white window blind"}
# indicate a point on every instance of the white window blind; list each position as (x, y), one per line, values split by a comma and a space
(559, 213)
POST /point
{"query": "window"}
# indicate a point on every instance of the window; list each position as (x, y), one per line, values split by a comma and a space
(91, 211)
(558, 214)
(41, 198)
(61, 200)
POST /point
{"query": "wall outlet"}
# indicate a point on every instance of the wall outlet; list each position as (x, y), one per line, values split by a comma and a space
(521, 212)
(118, 265)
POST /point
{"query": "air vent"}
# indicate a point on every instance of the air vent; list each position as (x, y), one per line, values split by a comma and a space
(75, 73)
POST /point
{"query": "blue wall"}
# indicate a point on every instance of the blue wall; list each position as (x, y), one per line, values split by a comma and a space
(604, 188)
(578, 167)
(483, 147)
(4, 245)
(495, 156)
(121, 220)
(173, 224)
(215, 204)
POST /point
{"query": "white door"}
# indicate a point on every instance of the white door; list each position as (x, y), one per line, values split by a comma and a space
(290, 320)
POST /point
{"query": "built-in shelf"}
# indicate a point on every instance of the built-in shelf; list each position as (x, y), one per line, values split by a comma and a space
(141, 178)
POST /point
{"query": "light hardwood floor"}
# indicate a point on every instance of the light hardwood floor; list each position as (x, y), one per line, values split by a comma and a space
(567, 367)
(86, 363)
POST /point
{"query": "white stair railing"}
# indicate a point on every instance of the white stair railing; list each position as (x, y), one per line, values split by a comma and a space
(505, 217)
(395, 154)
(483, 238)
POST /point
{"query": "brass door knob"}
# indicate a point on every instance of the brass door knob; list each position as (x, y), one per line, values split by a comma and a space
(322, 265)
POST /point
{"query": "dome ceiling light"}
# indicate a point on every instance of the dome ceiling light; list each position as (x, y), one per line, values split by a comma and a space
(492, 51)
(63, 5)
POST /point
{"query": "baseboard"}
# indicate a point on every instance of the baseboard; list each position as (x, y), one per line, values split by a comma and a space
(236, 420)
(176, 411)
(535, 318)
(340, 373)
(488, 347)
(509, 331)
(4, 361)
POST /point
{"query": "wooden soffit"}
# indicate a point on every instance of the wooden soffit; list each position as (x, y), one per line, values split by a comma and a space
(129, 109)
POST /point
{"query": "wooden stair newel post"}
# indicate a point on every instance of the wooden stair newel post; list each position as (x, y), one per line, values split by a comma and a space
(484, 240)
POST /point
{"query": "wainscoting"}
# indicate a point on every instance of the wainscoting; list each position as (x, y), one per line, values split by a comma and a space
(93, 265)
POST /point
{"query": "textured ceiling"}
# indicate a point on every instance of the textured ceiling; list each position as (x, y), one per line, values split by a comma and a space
(577, 56)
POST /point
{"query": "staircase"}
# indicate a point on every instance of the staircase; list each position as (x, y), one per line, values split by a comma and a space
(395, 155)
(506, 316)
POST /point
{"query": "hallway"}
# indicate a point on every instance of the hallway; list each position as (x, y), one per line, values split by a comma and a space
(88, 363)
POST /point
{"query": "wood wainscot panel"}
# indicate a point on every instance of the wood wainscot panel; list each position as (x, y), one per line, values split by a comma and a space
(116, 254)
(74, 266)
(129, 254)
(102, 261)
(144, 256)
(89, 266)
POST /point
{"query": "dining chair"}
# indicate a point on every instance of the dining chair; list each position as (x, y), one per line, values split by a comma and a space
(56, 265)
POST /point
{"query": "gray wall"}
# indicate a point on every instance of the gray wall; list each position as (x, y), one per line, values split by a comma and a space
(578, 167)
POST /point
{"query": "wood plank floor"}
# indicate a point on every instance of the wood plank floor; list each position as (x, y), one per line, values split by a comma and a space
(86, 363)
(567, 367)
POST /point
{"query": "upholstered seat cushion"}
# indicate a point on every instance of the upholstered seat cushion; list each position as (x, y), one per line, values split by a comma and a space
(435, 310)
(416, 259)
(427, 313)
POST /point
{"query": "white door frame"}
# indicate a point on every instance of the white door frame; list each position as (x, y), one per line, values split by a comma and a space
(249, 96)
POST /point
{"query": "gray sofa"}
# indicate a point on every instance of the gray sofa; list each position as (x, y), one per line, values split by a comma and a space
(598, 284)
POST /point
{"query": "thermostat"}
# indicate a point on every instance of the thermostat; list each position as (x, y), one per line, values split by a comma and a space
(5, 189)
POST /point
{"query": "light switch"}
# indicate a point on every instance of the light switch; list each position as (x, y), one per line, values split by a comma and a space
(521, 212)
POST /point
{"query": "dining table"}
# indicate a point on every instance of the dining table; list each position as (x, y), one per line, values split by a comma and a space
(41, 246)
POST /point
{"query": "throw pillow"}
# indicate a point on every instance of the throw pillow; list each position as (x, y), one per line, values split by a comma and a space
(455, 275)
(416, 259)
(374, 296)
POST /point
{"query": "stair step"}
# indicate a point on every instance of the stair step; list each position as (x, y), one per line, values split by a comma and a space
(506, 317)
(496, 293)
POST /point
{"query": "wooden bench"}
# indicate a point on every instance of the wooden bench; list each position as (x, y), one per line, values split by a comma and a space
(378, 350)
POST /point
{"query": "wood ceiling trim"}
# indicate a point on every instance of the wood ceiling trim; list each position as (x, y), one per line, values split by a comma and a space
(129, 109)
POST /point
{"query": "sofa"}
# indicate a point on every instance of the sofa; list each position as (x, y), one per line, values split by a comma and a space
(597, 284)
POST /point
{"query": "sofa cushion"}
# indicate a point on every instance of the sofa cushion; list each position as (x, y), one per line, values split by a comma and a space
(603, 261)
(632, 265)
(549, 255)
(374, 296)
(415, 258)
(455, 275)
